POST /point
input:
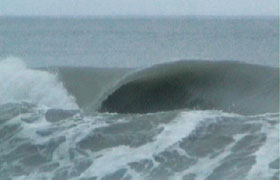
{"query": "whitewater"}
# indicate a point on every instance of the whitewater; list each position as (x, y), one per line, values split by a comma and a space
(49, 130)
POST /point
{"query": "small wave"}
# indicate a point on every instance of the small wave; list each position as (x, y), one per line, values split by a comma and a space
(19, 83)
(228, 86)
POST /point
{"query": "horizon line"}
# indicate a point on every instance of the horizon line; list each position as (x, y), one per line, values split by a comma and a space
(138, 16)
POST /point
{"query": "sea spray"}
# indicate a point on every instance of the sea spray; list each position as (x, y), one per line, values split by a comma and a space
(19, 83)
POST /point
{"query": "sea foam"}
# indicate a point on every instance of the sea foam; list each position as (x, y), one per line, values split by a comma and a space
(19, 83)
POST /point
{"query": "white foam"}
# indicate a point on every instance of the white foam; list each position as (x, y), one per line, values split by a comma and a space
(205, 166)
(118, 157)
(267, 153)
(18, 83)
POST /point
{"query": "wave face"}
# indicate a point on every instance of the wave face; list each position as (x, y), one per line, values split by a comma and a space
(227, 86)
(88, 85)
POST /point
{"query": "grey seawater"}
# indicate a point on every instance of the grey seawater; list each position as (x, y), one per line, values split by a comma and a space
(51, 129)
(138, 42)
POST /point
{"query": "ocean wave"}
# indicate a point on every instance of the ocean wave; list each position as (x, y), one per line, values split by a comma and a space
(227, 86)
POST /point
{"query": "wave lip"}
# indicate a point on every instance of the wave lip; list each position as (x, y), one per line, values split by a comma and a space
(228, 86)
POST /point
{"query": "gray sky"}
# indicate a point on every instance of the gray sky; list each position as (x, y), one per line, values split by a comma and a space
(138, 7)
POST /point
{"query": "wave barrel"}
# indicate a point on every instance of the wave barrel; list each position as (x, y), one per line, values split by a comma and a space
(227, 86)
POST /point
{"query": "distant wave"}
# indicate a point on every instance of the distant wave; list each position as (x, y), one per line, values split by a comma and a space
(227, 86)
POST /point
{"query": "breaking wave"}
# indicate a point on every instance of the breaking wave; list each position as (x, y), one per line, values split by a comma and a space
(19, 83)
(228, 86)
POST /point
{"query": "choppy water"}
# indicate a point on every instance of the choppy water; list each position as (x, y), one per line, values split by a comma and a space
(186, 120)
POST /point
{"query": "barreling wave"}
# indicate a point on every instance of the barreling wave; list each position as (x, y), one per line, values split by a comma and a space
(228, 86)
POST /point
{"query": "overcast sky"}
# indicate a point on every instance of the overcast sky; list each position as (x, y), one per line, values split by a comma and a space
(138, 7)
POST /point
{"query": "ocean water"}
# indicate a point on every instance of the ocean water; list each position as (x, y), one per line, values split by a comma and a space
(189, 98)
(124, 42)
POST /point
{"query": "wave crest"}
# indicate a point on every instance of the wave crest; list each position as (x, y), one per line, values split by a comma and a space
(19, 83)
(228, 86)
